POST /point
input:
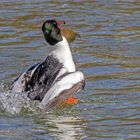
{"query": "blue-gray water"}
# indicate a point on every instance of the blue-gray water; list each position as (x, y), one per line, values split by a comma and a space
(108, 53)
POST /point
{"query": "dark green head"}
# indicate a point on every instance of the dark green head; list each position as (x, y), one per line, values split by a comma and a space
(51, 31)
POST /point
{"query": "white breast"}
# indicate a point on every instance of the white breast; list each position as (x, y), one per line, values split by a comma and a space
(63, 54)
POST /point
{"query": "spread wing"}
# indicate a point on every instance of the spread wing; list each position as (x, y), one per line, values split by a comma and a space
(20, 82)
(38, 79)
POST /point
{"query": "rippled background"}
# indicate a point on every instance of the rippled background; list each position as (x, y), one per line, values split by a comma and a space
(108, 53)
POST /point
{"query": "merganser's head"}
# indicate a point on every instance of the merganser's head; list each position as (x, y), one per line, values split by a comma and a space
(52, 32)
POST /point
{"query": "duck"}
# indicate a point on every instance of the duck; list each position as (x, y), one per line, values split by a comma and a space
(56, 78)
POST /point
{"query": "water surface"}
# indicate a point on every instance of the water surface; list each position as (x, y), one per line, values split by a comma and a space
(108, 53)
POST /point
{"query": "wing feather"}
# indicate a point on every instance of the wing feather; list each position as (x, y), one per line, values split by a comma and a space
(38, 79)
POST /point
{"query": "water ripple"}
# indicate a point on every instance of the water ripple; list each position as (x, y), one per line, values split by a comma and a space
(108, 53)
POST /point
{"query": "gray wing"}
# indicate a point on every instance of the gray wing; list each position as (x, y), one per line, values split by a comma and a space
(37, 80)
(19, 84)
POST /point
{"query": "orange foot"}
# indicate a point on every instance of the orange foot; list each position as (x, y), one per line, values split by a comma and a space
(70, 101)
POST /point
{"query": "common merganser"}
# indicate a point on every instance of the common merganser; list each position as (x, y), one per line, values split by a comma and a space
(55, 79)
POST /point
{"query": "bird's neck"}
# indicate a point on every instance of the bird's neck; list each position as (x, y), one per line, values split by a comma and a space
(64, 55)
(63, 48)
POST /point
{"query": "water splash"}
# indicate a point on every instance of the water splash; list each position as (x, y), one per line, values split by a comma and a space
(16, 103)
